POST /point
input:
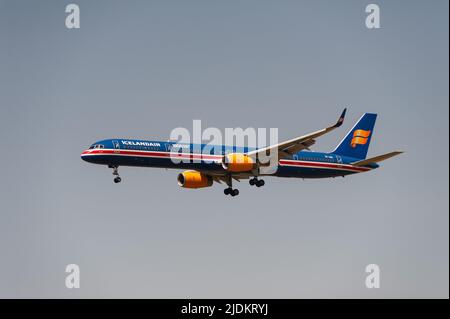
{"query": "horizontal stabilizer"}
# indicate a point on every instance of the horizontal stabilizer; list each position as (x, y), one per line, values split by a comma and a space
(376, 159)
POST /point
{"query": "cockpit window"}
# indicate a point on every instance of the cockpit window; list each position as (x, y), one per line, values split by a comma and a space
(96, 146)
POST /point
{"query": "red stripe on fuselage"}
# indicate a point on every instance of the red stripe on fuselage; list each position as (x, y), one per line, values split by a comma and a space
(150, 154)
(324, 165)
(216, 157)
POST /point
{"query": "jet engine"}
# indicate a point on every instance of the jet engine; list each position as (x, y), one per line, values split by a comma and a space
(238, 162)
(194, 179)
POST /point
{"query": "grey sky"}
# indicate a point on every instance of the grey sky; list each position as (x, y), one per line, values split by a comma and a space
(138, 69)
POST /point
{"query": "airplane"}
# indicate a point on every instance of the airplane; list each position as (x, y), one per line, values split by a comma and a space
(203, 168)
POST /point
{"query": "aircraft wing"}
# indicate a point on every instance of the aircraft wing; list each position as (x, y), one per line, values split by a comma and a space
(290, 147)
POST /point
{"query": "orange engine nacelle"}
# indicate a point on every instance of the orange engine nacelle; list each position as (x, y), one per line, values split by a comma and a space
(237, 162)
(194, 179)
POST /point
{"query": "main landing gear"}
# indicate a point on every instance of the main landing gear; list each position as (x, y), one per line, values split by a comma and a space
(230, 190)
(117, 178)
(257, 182)
(234, 192)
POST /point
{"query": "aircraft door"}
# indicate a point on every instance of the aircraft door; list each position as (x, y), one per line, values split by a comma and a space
(339, 159)
(116, 146)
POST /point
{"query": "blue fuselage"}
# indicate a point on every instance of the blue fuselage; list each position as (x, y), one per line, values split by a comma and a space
(206, 158)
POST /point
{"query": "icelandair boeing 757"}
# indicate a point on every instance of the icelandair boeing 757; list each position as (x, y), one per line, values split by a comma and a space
(236, 163)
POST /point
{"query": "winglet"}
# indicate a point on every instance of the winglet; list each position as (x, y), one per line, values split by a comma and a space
(341, 118)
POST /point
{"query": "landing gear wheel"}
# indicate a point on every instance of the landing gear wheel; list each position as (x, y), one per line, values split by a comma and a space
(257, 182)
(230, 191)
(117, 179)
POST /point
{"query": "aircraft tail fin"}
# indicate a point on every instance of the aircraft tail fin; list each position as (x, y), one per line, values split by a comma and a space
(356, 142)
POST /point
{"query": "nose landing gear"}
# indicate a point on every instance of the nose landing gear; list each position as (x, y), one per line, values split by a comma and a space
(257, 182)
(117, 178)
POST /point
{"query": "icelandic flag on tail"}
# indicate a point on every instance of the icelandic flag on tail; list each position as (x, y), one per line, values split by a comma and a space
(356, 143)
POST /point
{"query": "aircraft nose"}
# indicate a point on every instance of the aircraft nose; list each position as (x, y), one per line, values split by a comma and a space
(85, 155)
